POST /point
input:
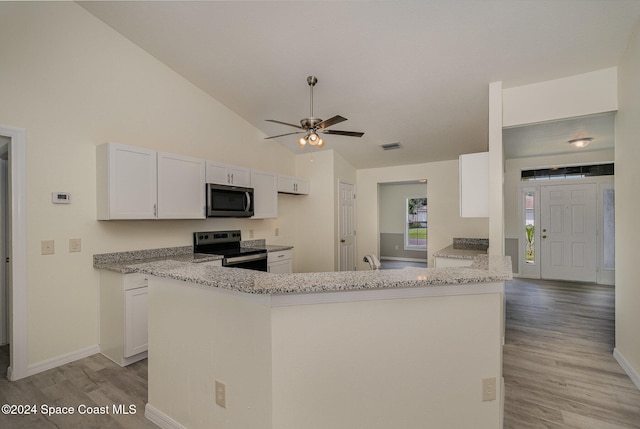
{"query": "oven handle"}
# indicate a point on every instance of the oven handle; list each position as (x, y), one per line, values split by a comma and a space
(247, 258)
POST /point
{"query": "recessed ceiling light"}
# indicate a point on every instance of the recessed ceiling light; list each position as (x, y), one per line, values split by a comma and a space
(581, 142)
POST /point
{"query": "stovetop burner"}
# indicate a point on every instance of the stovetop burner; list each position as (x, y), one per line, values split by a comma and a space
(227, 244)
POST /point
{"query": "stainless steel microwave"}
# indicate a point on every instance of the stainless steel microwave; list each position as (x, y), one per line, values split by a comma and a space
(229, 201)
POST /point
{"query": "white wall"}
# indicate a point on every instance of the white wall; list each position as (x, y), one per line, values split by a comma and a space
(573, 96)
(444, 206)
(392, 205)
(74, 83)
(627, 206)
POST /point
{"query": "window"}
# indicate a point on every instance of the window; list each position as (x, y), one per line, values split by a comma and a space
(415, 237)
(568, 172)
(529, 228)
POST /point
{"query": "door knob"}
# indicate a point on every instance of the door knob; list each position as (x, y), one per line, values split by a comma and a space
(342, 241)
(544, 236)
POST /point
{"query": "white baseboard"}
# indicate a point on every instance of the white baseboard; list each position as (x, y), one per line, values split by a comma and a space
(631, 372)
(161, 419)
(61, 360)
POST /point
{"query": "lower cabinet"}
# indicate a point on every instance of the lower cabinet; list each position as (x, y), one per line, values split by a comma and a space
(136, 334)
(444, 262)
(280, 262)
(123, 316)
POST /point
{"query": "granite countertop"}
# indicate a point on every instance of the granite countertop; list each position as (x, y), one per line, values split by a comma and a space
(180, 263)
(464, 248)
(485, 269)
(124, 262)
(452, 252)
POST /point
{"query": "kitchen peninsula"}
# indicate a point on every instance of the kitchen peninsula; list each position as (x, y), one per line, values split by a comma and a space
(233, 348)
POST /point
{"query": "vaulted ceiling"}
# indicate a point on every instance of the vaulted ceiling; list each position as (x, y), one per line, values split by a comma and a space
(414, 72)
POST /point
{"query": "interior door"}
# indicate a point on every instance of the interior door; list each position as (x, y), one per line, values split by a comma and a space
(347, 208)
(568, 232)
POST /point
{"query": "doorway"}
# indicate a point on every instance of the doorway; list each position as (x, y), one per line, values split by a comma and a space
(347, 226)
(403, 224)
(13, 139)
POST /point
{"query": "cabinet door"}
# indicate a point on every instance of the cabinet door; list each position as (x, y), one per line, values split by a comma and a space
(217, 173)
(285, 184)
(280, 267)
(181, 187)
(240, 176)
(136, 336)
(301, 186)
(265, 194)
(474, 185)
(127, 182)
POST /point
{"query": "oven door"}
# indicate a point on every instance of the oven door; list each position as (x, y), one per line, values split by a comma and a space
(257, 262)
(229, 201)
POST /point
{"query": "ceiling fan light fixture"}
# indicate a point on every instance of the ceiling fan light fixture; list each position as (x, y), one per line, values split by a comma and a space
(581, 142)
(314, 139)
(320, 143)
(302, 142)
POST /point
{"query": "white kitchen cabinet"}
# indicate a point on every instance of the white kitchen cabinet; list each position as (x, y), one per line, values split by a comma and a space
(126, 182)
(224, 174)
(474, 185)
(123, 316)
(444, 262)
(293, 185)
(280, 262)
(136, 336)
(181, 187)
(265, 194)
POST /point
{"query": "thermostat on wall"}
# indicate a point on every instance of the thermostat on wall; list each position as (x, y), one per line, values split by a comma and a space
(61, 197)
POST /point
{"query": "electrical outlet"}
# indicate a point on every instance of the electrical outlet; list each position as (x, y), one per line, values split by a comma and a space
(489, 389)
(47, 247)
(75, 245)
(221, 396)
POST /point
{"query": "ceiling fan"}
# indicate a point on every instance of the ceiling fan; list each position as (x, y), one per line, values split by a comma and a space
(312, 126)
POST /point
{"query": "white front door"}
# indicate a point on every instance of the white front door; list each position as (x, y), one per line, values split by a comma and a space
(568, 232)
(347, 209)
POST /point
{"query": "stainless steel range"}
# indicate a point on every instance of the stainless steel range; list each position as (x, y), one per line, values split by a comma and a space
(227, 244)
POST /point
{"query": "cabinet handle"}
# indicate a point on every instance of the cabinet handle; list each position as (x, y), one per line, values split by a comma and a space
(232, 178)
(155, 209)
(228, 178)
(280, 256)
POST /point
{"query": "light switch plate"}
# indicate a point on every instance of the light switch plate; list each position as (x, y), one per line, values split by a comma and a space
(221, 396)
(47, 247)
(75, 245)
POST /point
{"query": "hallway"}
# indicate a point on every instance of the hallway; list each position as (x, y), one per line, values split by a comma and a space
(559, 368)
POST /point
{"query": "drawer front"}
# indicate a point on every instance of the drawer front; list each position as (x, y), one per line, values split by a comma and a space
(279, 256)
(135, 280)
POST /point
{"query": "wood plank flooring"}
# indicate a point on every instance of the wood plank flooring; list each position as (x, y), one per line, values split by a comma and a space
(93, 382)
(558, 365)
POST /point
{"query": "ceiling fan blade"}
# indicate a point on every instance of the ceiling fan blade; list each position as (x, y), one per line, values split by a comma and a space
(282, 135)
(343, 133)
(331, 121)
(284, 123)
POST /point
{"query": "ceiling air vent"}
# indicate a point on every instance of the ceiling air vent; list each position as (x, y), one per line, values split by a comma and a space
(390, 146)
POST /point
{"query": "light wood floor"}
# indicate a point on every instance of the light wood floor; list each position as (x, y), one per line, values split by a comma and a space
(94, 381)
(558, 365)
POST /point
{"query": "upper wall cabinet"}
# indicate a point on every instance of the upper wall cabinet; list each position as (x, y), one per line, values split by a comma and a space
(474, 185)
(265, 194)
(127, 182)
(181, 182)
(138, 183)
(224, 174)
(293, 185)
